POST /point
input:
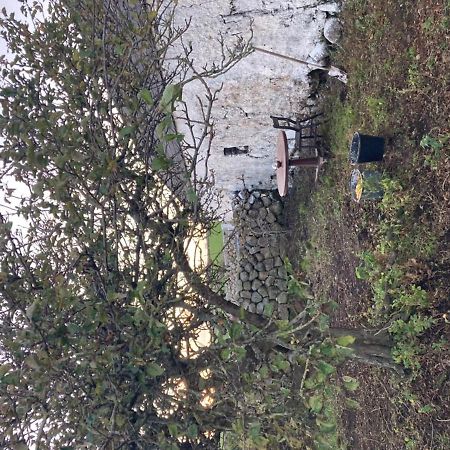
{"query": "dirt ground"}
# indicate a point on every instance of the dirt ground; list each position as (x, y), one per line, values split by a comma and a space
(385, 417)
(398, 52)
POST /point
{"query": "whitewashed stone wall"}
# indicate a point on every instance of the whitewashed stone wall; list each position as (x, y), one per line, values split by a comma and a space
(259, 85)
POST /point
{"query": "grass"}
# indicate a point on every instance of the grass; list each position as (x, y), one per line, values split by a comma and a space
(386, 263)
(215, 244)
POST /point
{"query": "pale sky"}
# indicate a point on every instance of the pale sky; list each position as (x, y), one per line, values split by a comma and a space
(11, 6)
(20, 190)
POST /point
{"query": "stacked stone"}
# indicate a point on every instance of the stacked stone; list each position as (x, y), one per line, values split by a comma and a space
(259, 277)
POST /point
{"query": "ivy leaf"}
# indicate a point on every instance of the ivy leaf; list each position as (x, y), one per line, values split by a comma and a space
(240, 353)
(362, 273)
(352, 404)
(174, 137)
(325, 368)
(32, 311)
(264, 372)
(160, 163)
(173, 429)
(345, 341)
(8, 92)
(119, 49)
(328, 349)
(324, 322)
(326, 426)
(192, 431)
(146, 95)
(235, 330)
(315, 404)
(225, 354)
(163, 126)
(126, 131)
(152, 15)
(4, 369)
(154, 370)
(172, 92)
(191, 196)
(31, 362)
(350, 383)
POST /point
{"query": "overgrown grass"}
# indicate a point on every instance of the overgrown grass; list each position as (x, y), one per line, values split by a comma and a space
(397, 89)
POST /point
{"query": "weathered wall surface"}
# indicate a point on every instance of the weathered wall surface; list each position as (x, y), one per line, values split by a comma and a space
(256, 87)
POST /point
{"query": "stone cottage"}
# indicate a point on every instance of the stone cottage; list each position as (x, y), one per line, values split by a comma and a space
(260, 85)
(243, 150)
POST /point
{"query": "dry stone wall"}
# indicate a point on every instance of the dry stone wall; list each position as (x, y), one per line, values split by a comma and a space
(254, 256)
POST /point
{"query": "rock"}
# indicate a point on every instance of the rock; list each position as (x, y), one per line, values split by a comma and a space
(283, 312)
(251, 259)
(243, 195)
(263, 241)
(251, 240)
(282, 298)
(256, 297)
(259, 257)
(270, 217)
(239, 285)
(266, 201)
(243, 276)
(266, 252)
(268, 264)
(275, 251)
(246, 294)
(276, 208)
(276, 227)
(248, 267)
(273, 292)
(319, 53)
(263, 276)
(263, 292)
(253, 213)
(299, 306)
(282, 272)
(252, 275)
(263, 213)
(247, 285)
(257, 205)
(256, 284)
(251, 308)
(259, 267)
(253, 250)
(281, 284)
(332, 30)
(278, 262)
(270, 281)
(245, 303)
(330, 8)
(260, 308)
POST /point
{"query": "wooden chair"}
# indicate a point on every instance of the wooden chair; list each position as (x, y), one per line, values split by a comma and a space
(307, 133)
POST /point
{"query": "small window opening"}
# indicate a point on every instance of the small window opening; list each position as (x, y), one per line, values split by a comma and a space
(231, 151)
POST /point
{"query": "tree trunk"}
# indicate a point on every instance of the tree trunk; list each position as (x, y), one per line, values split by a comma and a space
(363, 336)
(370, 346)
